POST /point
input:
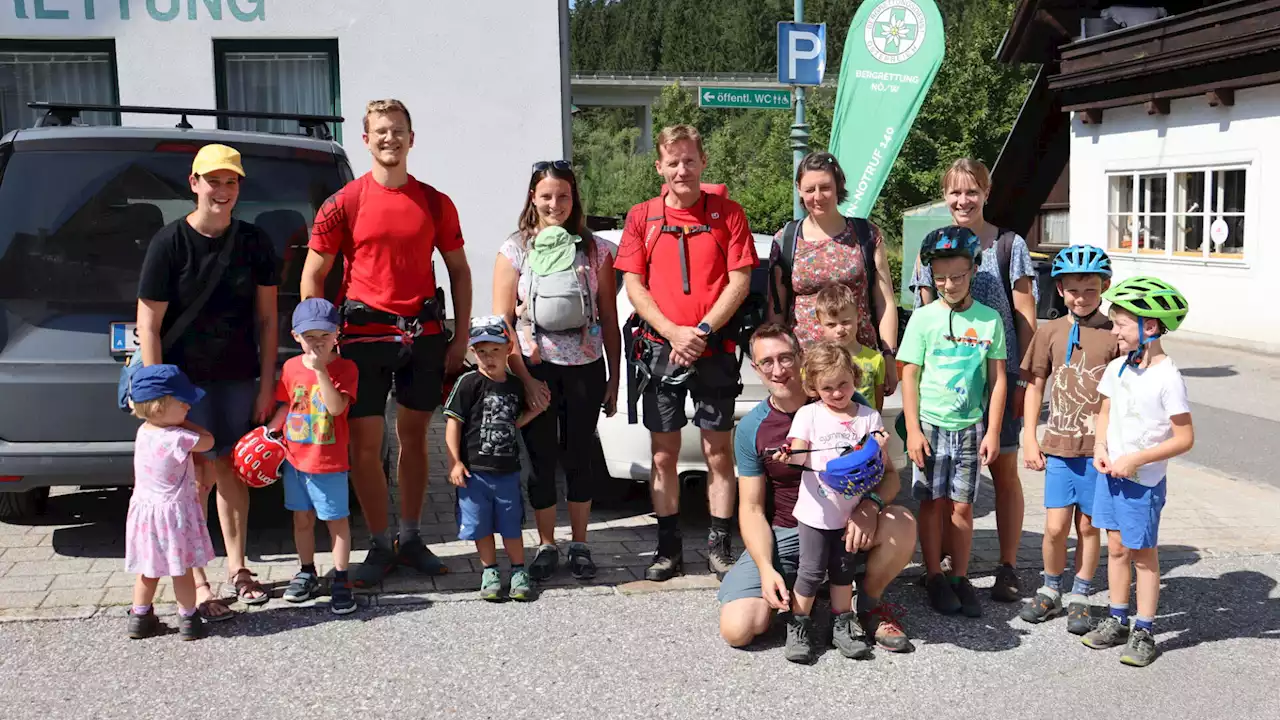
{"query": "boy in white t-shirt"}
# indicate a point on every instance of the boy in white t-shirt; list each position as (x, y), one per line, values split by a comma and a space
(1144, 420)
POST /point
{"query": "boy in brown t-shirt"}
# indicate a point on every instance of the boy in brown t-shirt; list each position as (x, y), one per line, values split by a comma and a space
(1069, 354)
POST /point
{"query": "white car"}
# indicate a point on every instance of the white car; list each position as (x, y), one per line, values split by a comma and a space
(626, 449)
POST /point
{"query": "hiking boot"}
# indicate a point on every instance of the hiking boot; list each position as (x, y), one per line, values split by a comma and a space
(884, 625)
(719, 554)
(545, 561)
(944, 567)
(1078, 620)
(1045, 605)
(143, 626)
(521, 586)
(491, 585)
(302, 587)
(190, 627)
(418, 556)
(968, 597)
(668, 559)
(942, 596)
(1109, 633)
(1006, 588)
(580, 563)
(1141, 650)
(379, 563)
(799, 647)
(341, 600)
(850, 637)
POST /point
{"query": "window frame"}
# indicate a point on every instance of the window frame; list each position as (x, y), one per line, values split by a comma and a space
(1131, 219)
(329, 46)
(77, 46)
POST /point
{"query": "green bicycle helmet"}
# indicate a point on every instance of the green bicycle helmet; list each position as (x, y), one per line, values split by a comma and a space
(1149, 297)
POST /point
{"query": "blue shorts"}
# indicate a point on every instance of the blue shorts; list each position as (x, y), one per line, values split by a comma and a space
(1131, 508)
(490, 503)
(325, 493)
(743, 579)
(226, 411)
(1070, 481)
(1010, 427)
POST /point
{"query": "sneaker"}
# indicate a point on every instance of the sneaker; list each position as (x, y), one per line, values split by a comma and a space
(1109, 633)
(190, 627)
(944, 567)
(302, 587)
(968, 597)
(942, 596)
(1006, 588)
(580, 563)
(799, 647)
(1079, 620)
(884, 624)
(143, 626)
(1045, 605)
(544, 564)
(1141, 650)
(521, 586)
(379, 563)
(719, 554)
(850, 637)
(341, 600)
(491, 585)
(416, 555)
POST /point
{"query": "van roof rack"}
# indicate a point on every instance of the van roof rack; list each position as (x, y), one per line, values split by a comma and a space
(63, 113)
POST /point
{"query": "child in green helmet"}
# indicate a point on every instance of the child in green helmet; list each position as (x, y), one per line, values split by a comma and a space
(1145, 420)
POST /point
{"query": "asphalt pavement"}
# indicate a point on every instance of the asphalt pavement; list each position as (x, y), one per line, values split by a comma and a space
(595, 653)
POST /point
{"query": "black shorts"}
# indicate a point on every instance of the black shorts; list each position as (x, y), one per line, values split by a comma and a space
(417, 371)
(714, 386)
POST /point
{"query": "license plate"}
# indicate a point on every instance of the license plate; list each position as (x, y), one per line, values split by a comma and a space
(124, 338)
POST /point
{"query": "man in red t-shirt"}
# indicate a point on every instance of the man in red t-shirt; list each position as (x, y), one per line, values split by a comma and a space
(688, 257)
(386, 224)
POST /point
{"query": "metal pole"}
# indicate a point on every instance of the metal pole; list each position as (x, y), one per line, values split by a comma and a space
(799, 133)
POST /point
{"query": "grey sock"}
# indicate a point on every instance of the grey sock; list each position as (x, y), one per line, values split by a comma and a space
(408, 529)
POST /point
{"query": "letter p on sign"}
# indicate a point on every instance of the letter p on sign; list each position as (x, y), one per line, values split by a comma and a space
(802, 53)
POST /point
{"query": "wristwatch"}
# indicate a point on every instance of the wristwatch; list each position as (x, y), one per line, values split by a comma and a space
(704, 328)
(873, 497)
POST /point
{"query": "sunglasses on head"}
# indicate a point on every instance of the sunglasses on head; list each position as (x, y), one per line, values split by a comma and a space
(542, 165)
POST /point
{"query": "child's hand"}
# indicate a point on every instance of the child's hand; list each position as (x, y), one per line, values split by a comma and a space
(1125, 466)
(1032, 457)
(782, 454)
(918, 448)
(1101, 461)
(990, 449)
(458, 475)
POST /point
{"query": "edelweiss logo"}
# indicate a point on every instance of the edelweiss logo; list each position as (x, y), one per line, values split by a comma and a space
(895, 31)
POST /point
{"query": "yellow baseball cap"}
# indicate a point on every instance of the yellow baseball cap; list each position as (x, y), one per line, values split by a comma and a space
(217, 157)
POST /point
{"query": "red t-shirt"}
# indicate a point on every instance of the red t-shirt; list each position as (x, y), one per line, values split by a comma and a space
(711, 256)
(316, 441)
(387, 237)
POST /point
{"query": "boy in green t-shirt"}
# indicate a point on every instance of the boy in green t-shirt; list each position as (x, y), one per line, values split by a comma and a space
(951, 348)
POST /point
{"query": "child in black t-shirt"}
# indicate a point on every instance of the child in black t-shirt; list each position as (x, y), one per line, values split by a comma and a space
(485, 412)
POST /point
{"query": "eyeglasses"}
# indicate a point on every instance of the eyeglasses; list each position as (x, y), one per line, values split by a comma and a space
(542, 165)
(785, 360)
(944, 279)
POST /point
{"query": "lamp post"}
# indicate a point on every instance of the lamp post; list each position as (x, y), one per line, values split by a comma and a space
(799, 132)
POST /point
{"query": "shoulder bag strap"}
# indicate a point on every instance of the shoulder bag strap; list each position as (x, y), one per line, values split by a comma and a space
(786, 260)
(215, 276)
(1004, 254)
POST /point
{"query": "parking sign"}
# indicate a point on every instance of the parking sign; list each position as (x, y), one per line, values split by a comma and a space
(802, 53)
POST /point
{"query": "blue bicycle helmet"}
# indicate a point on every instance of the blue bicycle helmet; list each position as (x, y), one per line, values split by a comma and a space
(855, 472)
(953, 241)
(1081, 260)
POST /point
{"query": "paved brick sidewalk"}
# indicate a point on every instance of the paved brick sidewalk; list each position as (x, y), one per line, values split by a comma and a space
(72, 566)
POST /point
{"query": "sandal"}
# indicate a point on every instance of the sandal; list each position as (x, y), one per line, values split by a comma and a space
(245, 585)
(205, 608)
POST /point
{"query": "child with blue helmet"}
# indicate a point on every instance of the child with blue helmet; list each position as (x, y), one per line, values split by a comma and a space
(954, 357)
(1067, 358)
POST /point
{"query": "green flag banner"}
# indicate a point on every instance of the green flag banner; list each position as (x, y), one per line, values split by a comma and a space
(892, 53)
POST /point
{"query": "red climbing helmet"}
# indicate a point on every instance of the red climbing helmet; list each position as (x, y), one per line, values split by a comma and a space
(259, 457)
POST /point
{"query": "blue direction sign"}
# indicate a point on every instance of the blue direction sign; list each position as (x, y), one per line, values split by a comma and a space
(802, 53)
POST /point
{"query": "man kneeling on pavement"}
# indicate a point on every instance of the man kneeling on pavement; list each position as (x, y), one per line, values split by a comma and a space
(758, 585)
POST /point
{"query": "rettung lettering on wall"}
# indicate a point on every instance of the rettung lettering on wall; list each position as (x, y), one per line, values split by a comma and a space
(159, 10)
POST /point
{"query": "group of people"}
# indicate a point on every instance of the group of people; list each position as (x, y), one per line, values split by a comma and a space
(814, 485)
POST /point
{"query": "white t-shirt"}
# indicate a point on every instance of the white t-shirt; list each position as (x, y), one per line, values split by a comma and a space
(818, 506)
(1142, 403)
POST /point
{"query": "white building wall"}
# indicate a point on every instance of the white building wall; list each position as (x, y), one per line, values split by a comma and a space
(1228, 299)
(484, 81)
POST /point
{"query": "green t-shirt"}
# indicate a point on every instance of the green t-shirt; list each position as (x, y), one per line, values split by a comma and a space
(953, 381)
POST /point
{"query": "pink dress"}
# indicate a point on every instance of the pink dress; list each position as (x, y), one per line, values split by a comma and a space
(836, 260)
(166, 534)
